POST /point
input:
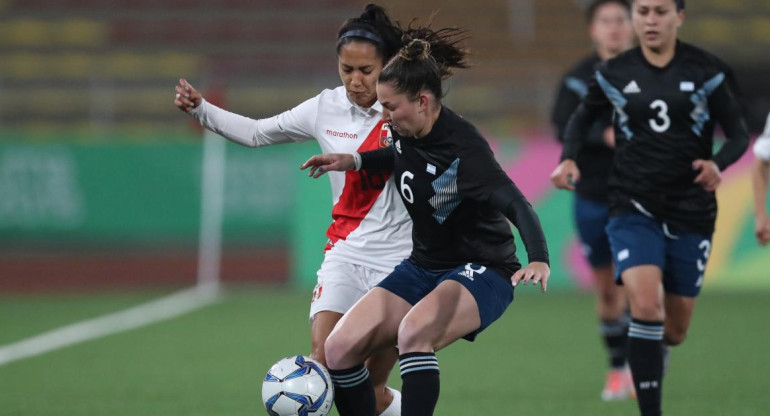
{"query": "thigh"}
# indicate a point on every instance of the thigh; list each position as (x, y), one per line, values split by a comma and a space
(644, 288)
(686, 258)
(466, 301)
(339, 286)
(591, 218)
(371, 324)
(445, 315)
(635, 241)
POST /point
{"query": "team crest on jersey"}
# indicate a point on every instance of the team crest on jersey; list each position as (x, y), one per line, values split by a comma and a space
(686, 86)
(386, 138)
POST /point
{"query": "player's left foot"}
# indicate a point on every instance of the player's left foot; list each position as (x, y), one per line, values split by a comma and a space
(618, 385)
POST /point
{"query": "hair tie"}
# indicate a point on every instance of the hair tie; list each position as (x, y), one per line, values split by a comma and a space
(424, 54)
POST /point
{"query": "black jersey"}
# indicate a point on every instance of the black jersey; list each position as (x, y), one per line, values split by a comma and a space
(456, 194)
(595, 157)
(664, 120)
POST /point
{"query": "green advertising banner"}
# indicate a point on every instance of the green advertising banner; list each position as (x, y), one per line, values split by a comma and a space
(138, 192)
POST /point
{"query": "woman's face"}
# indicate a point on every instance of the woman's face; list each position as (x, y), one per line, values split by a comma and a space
(611, 28)
(359, 66)
(656, 22)
(408, 118)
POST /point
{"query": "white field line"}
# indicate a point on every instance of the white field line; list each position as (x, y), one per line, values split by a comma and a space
(168, 307)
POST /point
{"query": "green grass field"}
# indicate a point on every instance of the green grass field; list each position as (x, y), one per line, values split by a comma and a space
(542, 358)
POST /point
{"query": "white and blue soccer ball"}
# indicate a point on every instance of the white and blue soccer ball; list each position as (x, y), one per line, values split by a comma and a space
(297, 386)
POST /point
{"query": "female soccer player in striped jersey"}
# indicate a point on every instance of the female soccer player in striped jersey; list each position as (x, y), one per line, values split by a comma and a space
(610, 28)
(458, 278)
(371, 232)
(667, 97)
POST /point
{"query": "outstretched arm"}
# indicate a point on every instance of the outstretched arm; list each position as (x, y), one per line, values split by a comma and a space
(380, 159)
(319, 164)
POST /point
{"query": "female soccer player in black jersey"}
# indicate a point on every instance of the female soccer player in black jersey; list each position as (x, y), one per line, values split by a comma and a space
(459, 277)
(611, 32)
(667, 97)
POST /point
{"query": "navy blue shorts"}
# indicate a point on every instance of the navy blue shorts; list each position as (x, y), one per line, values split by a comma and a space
(591, 219)
(493, 292)
(638, 240)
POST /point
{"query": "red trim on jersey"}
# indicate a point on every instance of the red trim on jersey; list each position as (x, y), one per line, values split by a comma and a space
(360, 191)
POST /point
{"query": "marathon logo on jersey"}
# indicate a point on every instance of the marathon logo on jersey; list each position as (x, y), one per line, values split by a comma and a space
(386, 137)
(686, 86)
(632, 88)
(469, 271)
(341, 134)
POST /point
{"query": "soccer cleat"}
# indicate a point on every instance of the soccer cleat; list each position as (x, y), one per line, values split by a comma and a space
(619, 385)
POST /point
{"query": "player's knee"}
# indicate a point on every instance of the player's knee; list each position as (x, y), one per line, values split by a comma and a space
(674, 337)
(411, 336)
(336, 351)
(649, 311)
(318, 351)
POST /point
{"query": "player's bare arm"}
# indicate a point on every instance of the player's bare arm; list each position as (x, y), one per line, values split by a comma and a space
(319, 164)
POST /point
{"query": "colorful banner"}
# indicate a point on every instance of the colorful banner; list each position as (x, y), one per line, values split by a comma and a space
(148, 191)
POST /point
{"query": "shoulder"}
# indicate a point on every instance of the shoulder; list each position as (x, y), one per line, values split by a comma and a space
(709, 62)
(584, 68)
(463, 135)
(628, 58)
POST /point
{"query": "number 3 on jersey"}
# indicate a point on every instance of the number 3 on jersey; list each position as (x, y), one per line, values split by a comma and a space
(406, 191)
(662, 108)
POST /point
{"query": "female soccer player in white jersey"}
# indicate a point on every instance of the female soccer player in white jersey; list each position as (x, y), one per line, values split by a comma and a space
(760, 174)
(371, 232)
(667, 96)
(458, 279)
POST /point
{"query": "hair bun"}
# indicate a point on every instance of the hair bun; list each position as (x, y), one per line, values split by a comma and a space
(416, 49)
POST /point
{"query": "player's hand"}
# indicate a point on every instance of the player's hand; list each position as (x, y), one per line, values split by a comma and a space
(187, 98)
(566, 175)
(319, 164)
(762, 229)
(710, 176)
(537, 272)
(609, 137)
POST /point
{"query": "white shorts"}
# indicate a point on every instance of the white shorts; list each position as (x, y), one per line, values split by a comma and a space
(341, 285)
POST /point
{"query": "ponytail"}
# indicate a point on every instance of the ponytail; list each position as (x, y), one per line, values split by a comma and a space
(427, 58)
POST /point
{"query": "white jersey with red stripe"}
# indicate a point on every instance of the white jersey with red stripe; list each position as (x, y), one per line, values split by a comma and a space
(371, 227)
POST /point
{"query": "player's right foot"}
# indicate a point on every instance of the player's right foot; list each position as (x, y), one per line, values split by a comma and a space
(618, 385)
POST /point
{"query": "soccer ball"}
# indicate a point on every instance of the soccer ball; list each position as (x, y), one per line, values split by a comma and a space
(297, 386)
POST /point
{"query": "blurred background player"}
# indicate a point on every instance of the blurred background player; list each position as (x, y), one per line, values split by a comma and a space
(458, 279)
(667, 96)
(759, 176)
(371, 232)
(611, 32)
